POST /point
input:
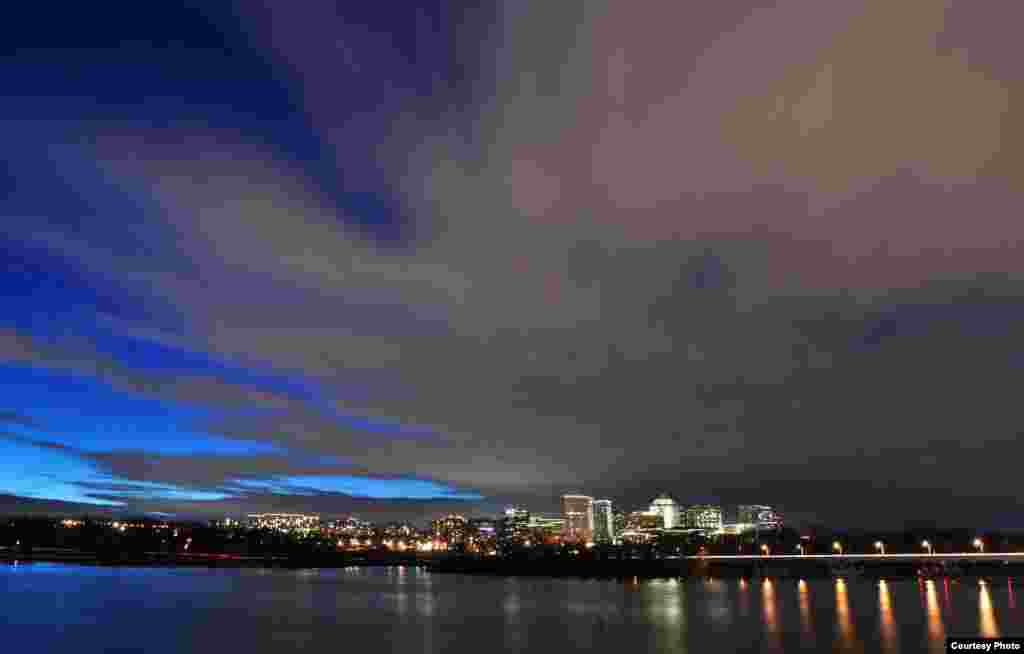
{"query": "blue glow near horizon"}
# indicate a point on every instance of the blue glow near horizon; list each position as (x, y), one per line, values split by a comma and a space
(64, 217)
(362, 487)
(79, 414)
(44, 473)
(144, 490)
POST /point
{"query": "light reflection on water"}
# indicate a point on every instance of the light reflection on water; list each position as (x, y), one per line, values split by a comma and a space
(743, 599)
(768, 608)
(933, 613)
(847, 638)
(987, 626)
(806, 625)
(718, 604)
(86, 610)
(886, 621)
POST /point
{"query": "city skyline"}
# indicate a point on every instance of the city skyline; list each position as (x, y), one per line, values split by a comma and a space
(409, 260)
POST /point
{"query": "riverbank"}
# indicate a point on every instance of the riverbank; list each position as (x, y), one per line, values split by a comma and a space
(545, 566)
(303, 560)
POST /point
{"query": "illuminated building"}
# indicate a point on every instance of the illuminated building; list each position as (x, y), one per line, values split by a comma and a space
(483, 534)
(644, 520)
(668, 509)
(618, 523)
(397, 530)
(514, 529)
(757, 516)
(284, 521)
(604, 527)
(641, 527)
(451, 529)
(352, 528)
(546, 529)
(578, 512)
(703, 516)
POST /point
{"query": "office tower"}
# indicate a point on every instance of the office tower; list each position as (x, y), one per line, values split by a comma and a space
(604, 528)
(514, 529)
(578, 511)
(618, 523)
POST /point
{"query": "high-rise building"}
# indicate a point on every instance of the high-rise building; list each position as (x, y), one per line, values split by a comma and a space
(668, 509)
(514, 528)
(578, 511)
(604, 527)
(618, 523)
(703, 516)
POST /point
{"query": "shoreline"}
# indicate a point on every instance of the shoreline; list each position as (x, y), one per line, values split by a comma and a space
(159, 559)
(551, 568)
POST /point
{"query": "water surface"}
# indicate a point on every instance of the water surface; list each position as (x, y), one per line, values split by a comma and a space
(69, 608)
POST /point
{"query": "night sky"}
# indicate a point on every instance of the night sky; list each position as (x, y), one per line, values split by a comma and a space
(410, 257)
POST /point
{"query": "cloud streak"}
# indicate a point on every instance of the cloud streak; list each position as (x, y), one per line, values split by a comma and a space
(747, 253)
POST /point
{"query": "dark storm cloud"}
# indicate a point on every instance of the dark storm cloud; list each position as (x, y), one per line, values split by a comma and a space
(79, 356)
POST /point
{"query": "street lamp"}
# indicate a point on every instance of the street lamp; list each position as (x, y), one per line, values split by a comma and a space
(764, 550)
(800, 548)
(928, 546)
(979, 544)
(880, 546)
(837, 546)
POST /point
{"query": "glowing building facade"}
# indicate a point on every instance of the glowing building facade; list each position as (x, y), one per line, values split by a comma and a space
(578, 512)
(604, 527)
(758, 516)
(703, 516)
(514, 528)
(667, 508)
(284, 521)
(451, 529)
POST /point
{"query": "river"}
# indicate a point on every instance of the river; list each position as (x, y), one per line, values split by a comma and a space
(69, 608)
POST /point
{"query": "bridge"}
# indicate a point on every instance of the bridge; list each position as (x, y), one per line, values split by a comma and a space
(982, 556)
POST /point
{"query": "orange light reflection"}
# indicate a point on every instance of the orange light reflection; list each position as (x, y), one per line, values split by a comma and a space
(933, 613)
(987, 626)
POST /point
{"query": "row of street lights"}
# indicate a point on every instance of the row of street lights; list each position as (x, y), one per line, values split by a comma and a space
(879, 545)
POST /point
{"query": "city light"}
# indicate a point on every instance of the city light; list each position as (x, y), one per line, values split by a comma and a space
(838, 547)
(979, 544)
(880, 546)
(764, 549)
(928, 546)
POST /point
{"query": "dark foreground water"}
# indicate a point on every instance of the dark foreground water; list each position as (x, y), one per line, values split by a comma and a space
(67, 608)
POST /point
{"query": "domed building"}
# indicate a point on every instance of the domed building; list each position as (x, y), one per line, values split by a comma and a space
(667, 508)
